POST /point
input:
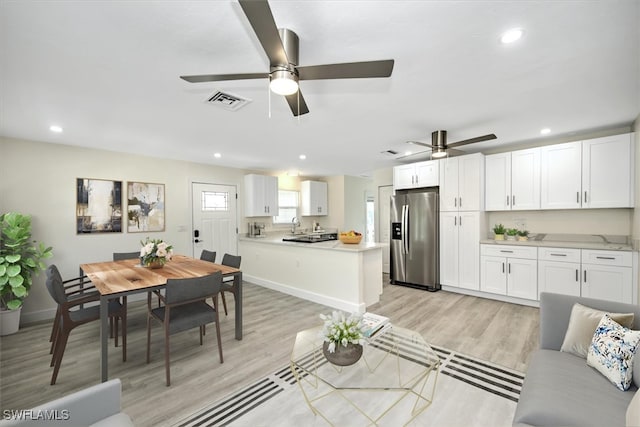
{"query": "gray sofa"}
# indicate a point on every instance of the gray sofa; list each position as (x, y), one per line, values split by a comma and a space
(560, 389)
(96, 406)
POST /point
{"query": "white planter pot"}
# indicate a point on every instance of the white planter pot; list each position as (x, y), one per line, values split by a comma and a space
(9, 321)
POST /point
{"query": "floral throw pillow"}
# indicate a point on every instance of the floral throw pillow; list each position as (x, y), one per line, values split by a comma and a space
(612, 352)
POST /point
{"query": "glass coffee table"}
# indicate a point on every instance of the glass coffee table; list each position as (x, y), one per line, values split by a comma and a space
(391, 384)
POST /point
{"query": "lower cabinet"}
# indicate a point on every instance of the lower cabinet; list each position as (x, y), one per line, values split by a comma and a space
(509, 270)
(559, 271)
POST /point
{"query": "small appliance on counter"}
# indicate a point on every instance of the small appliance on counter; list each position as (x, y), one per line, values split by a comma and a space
(256, 229)
(312, 238)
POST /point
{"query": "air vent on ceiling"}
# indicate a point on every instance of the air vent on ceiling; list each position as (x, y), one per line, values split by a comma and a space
(228, 101)
(389, 152)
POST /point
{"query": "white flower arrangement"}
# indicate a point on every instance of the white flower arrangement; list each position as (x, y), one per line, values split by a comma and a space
(155, 250)
(342, 330)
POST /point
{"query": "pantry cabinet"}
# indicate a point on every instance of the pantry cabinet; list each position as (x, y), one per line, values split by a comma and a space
(513, 180)
(462, 183)
(460, 233)
(416, 175)
(595, 173)
(261, 195)
(313, 195)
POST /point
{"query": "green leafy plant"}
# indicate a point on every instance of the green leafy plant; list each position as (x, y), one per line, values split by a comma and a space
(523, 233)
(498, 229)
(20, 259)
(512, 231)
(341, 330)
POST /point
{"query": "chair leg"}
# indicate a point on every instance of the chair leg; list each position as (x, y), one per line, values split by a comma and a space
(54, 335)
(201, 333)
(59, 352)
(111, 327)
(148, 337)
(54, 328)
(166, 352)
(218, 335)
(115, 320)
(124, 329)
(54, 346)
(224, 303)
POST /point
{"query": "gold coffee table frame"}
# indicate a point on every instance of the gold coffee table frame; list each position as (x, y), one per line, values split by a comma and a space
(396, 366)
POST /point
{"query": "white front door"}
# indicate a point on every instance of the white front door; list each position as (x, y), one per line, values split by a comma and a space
(384, 210)
(214, 219)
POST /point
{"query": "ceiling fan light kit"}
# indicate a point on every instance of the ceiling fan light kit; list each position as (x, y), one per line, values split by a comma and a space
(283, 82)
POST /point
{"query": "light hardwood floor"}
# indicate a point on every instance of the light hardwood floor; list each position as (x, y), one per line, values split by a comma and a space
(499, 332)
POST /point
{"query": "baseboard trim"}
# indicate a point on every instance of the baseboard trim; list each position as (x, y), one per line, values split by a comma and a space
(310, 296)
(487, 295)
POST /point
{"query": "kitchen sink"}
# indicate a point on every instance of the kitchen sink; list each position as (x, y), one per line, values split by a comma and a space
(311, 238)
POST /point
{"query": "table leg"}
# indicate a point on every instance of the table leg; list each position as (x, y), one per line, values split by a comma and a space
(104, 336)
(237, 283)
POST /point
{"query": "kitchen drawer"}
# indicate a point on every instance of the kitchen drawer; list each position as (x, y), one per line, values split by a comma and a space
(619, 258)
(559, 254)
(526, 252)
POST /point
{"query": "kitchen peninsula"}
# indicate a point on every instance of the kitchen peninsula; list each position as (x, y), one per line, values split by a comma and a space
(346, 277)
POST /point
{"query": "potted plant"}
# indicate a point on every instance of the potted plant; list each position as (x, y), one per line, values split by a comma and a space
(20, 258)
(155, 253)
(343, 338)
(511, 233)
(498, 231)
(523, 235)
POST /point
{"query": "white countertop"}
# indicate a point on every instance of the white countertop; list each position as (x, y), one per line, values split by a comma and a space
(332, 244)
(574, 241)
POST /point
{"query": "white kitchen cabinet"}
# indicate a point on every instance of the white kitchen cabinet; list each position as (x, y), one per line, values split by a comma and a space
(261, 195)
(513, 180)
(607, 275)
(561, 176)
(608, 172)
(462, 183)
(459, 249)
(559, 271)
(595, 173)
(314, 198)
(416, 175)
(509, 270)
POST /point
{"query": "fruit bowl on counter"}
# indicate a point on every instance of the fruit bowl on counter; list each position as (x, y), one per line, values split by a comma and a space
(350, 237)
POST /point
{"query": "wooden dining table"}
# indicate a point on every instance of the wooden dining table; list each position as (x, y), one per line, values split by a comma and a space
(115, 279)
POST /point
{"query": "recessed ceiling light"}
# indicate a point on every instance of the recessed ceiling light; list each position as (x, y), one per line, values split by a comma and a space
(511, 35)
(407, 153)
(217, 155)
(545, 131)
(302, 157)
(55, 128)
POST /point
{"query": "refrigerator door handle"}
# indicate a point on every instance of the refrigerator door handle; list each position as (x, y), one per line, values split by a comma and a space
(405, 228)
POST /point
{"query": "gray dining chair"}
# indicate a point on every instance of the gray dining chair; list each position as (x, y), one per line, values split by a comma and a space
(119, 256)
(184, 308)
(72, 312)
(227, 283)
(206, 255)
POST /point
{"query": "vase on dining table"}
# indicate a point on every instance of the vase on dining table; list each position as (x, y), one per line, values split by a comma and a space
(156, 263)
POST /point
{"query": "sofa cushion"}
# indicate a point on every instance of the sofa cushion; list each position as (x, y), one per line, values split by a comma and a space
(560, 389)
(612, 352)
(582, 325)
(633, 411)
(118, 420)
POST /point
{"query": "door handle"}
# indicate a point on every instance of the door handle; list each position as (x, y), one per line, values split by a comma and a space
(198, 241)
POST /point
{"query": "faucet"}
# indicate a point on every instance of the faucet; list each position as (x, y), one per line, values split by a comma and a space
(294, 223)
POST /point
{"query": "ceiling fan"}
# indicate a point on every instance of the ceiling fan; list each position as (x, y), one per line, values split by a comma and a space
(440, 147)
(281, 47)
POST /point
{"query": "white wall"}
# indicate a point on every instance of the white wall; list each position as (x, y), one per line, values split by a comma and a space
(39, 179)
(355, 197)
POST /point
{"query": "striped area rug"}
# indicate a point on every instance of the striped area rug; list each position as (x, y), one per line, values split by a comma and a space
(469, 392)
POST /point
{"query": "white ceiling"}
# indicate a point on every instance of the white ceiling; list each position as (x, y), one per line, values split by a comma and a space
(107, 72)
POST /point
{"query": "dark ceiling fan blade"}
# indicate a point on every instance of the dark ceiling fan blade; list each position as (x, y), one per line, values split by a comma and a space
(261, 19)
(472, 140)
(292, 100)
(220, 77)
(424, 144)
(347, 70)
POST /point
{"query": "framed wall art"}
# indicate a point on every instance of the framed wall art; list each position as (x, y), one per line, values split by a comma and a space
(98, 206)
(145, 207)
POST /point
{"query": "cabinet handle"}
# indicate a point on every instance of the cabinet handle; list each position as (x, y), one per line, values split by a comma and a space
(585, 276)
(455, 220)
(513, 200)
(507, 200)
(558, 254)
(503, 267)
(606, 257)
(460, 221)
(585, 197)
(577, 279)
(578, 197)
(505, 251)
(455, 202)
(460, 202)
(509, 265)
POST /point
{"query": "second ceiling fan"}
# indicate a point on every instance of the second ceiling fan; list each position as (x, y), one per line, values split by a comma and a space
(281, 47)
(440, 147)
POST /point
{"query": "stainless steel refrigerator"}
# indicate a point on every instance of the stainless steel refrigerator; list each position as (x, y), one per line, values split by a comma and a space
(414, 238)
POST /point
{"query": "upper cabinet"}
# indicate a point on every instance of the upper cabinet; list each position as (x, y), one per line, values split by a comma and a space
(596, 173)
(314, 198)
(416, 175)
(261, 195)
(513, 180)
(462, 183)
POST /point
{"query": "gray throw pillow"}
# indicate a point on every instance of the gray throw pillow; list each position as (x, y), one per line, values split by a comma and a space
(582, 325)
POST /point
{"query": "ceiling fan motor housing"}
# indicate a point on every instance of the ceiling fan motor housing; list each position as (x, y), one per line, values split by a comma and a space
(291, 44)
(439, 139)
